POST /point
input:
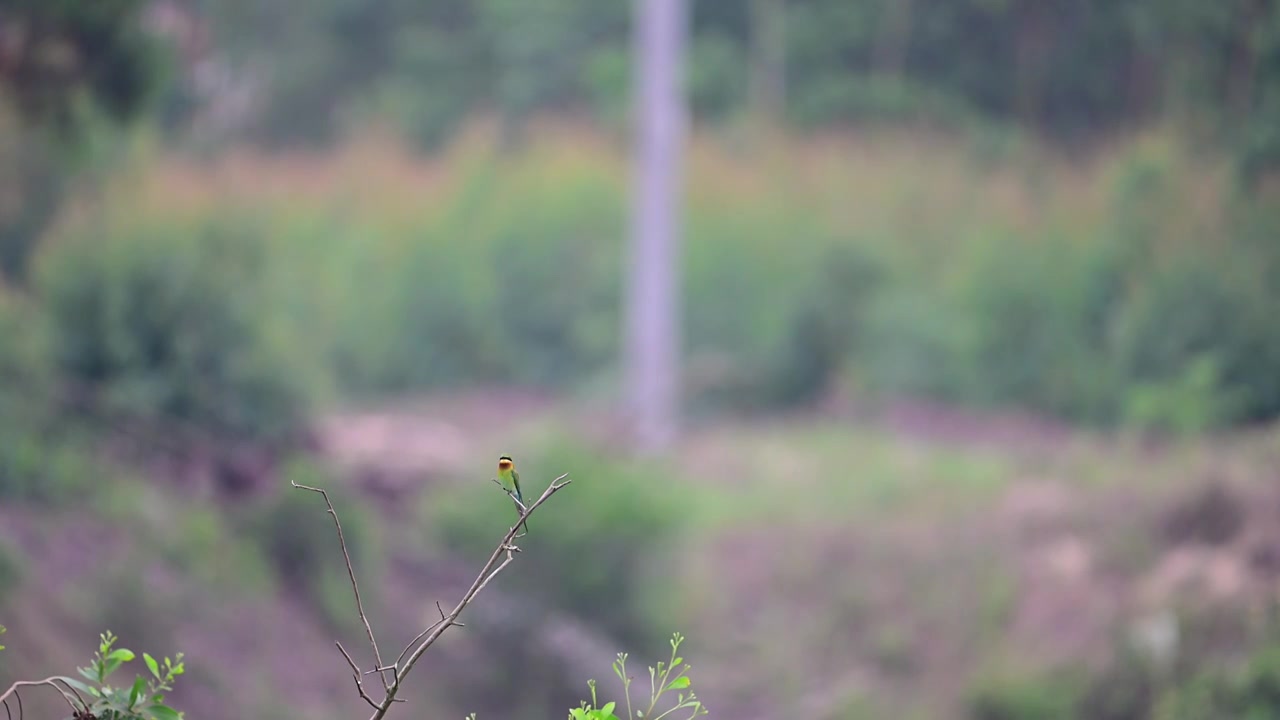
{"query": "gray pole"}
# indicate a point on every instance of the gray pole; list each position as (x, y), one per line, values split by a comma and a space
(653, 307)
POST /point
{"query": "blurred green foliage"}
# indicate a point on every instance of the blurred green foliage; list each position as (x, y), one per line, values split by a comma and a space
(71, 70)
(628, 515)
(67, 57)
(238, 322)
(43, 455)
(292, 528)
(162, 321)
(1022, 699)
(11, 572)
(1063, 70)
(1203, 683)
(1155, 313)
(1249, 691)
(531, 297)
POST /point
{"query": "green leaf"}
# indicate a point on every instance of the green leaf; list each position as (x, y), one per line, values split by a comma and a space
(109, 666)
(680, 682)
(123, 655)
(578, 714)
(139, 686)
(607, 710)
(152, 665)
(677, 661)
(163, 712)
(78, 685)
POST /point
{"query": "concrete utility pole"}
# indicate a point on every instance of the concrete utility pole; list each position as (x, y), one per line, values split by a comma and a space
(653, 304)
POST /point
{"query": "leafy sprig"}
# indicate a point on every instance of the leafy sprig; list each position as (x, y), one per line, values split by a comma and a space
(141, 700)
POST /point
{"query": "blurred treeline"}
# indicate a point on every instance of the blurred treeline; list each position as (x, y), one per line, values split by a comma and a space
(1071, 213)
(1069, 70)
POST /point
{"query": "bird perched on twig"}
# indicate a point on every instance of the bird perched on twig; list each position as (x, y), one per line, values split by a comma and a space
(510, 481)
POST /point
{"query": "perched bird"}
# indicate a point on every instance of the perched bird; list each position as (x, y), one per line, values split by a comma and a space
(510, 480)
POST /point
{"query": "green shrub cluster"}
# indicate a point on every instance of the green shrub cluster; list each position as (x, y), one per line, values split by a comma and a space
(1022, 699)
(1251, 690)
(627, 514)
(515, 280)
(1151, 313)
(42, 453)
(1139, 327)
(172, 322)
(1200, 683)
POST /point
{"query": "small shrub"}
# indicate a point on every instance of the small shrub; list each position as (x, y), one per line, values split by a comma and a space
(828, 327)
(1125, 690)
(170, 321)
(43, 457)
(1194, 342)
(142, 699)
(1022, 699)
(666, 679)
(1247, 692)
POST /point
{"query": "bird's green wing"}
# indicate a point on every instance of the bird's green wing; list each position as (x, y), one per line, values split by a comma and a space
(515, 480)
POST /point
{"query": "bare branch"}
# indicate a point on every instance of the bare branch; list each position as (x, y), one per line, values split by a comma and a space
(414, 641)
(504, 551)
(377, 656)
(49, 681)
(355, 673)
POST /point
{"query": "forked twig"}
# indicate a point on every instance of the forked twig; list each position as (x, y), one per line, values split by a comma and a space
(356, 675)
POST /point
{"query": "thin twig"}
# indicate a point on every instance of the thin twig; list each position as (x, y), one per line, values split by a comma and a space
(355, 673)
(487, 573)
(13, 690)
(413, 642)
(73, 691)
(377, 656)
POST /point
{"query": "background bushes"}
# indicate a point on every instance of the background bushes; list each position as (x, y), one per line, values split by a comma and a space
(610, 508)
(168, 320)
(1128, 304)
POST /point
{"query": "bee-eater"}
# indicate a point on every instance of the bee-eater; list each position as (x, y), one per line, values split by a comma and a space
(510, 480)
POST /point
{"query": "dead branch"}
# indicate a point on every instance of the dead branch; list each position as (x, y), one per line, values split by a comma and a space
(502, 556)
(49, 681)
(377, 656)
